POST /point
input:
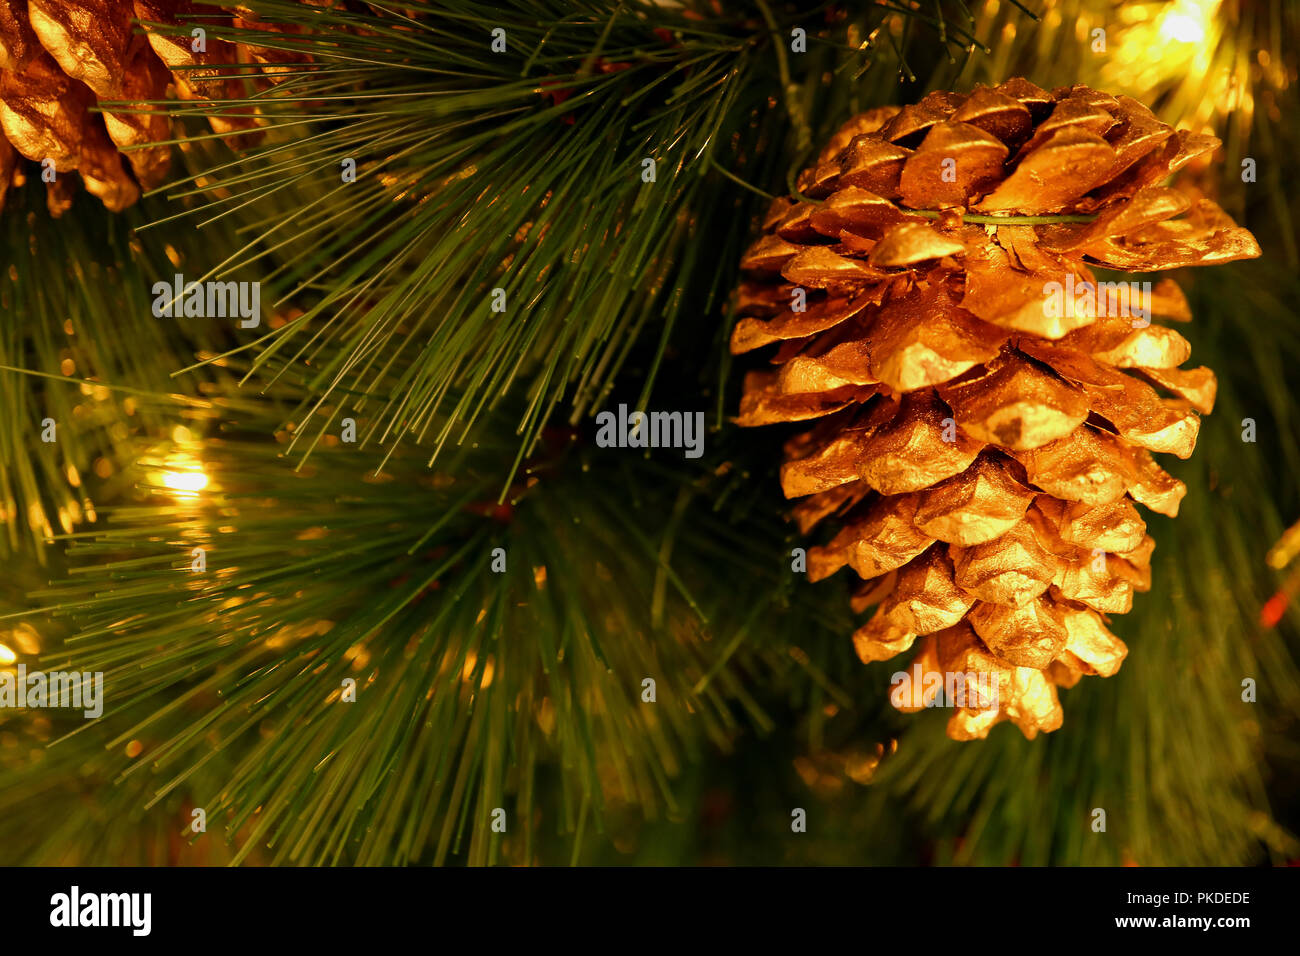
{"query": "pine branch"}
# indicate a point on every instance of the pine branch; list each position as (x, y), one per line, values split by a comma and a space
(518, 171)
(469, 682)
(74, 319)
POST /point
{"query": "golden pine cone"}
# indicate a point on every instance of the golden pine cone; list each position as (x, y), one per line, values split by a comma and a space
(982, 444)
(59, 58)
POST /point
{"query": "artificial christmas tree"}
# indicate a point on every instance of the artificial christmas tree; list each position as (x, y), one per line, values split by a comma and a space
(987, 409)
(609, 645)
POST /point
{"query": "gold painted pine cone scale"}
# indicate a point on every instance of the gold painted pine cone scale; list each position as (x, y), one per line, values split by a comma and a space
(980, 446)
(60, 58)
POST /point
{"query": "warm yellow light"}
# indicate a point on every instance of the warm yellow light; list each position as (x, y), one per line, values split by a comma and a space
(180, 473)
(7, 656)
(471, 663)
(1184, 29)
(1187, 20)
(24, 638)
(185, 481)
(1168, 48)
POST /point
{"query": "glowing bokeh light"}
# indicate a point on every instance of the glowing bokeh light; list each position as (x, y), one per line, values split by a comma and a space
(185, 481)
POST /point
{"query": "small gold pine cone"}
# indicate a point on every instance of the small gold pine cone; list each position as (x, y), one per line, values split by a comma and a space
(986, 412)
(60, 58)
